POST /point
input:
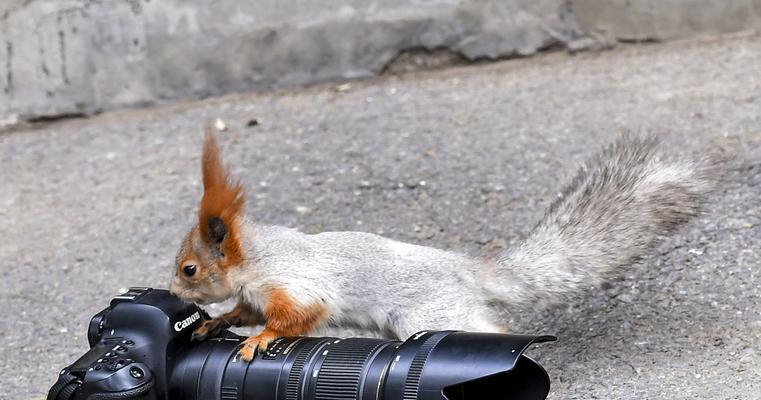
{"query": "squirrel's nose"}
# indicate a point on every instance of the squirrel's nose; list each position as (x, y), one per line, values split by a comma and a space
(173, 289)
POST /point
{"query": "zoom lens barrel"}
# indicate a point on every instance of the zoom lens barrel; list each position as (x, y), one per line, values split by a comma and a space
(429, 366)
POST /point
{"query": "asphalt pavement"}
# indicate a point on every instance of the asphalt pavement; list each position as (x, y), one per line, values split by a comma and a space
(465, 158)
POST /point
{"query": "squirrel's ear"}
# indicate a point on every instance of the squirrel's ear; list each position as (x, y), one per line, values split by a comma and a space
(217, 229)
(222, 205)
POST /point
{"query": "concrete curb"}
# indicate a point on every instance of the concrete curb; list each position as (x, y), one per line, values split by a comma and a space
(79, 57)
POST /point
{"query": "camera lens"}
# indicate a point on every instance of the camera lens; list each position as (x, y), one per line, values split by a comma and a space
(292, 368)
(441, 365)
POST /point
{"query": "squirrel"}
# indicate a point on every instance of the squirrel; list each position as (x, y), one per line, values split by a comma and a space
(614, 210)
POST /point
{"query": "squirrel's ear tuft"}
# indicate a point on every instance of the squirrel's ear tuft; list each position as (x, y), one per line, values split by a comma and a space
(223, 201)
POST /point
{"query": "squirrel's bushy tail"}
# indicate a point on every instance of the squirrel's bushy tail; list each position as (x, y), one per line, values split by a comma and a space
(610, 214)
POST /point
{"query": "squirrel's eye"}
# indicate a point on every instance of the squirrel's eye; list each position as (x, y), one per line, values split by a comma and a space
(189, 270)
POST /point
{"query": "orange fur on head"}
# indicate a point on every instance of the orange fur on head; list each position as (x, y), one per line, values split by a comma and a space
(222, 198)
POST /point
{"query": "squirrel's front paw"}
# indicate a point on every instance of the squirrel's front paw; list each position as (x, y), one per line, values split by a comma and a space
(209, 328)
(256, 343)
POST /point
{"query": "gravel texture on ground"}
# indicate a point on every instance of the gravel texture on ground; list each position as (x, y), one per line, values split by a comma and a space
(465, 158)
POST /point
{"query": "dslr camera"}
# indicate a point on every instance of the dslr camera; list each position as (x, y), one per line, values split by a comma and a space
(140, 348)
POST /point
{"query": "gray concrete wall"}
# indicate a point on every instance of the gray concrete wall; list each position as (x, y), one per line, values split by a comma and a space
(658, 20)
(62, 57)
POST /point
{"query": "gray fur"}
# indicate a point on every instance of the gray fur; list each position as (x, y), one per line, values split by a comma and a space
(608, 217)
(610, 214)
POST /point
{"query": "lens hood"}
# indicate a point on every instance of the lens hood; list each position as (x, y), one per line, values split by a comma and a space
(448, 365)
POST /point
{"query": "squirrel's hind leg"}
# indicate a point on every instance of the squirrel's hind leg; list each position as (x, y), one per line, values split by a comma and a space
(465, 320)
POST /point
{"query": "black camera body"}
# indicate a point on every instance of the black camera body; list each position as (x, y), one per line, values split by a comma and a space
(140, 348)
(132, 343)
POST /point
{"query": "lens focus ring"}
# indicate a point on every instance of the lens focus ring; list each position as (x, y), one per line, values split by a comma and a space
(293, 386)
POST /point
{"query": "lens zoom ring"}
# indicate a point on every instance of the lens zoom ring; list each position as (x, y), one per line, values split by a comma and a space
(412, 383)
(341, 371)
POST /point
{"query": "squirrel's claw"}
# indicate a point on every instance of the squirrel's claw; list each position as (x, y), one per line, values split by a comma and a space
(256, 344)
(208, 329)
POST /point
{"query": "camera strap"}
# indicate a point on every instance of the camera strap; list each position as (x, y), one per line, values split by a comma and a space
(65, 388)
